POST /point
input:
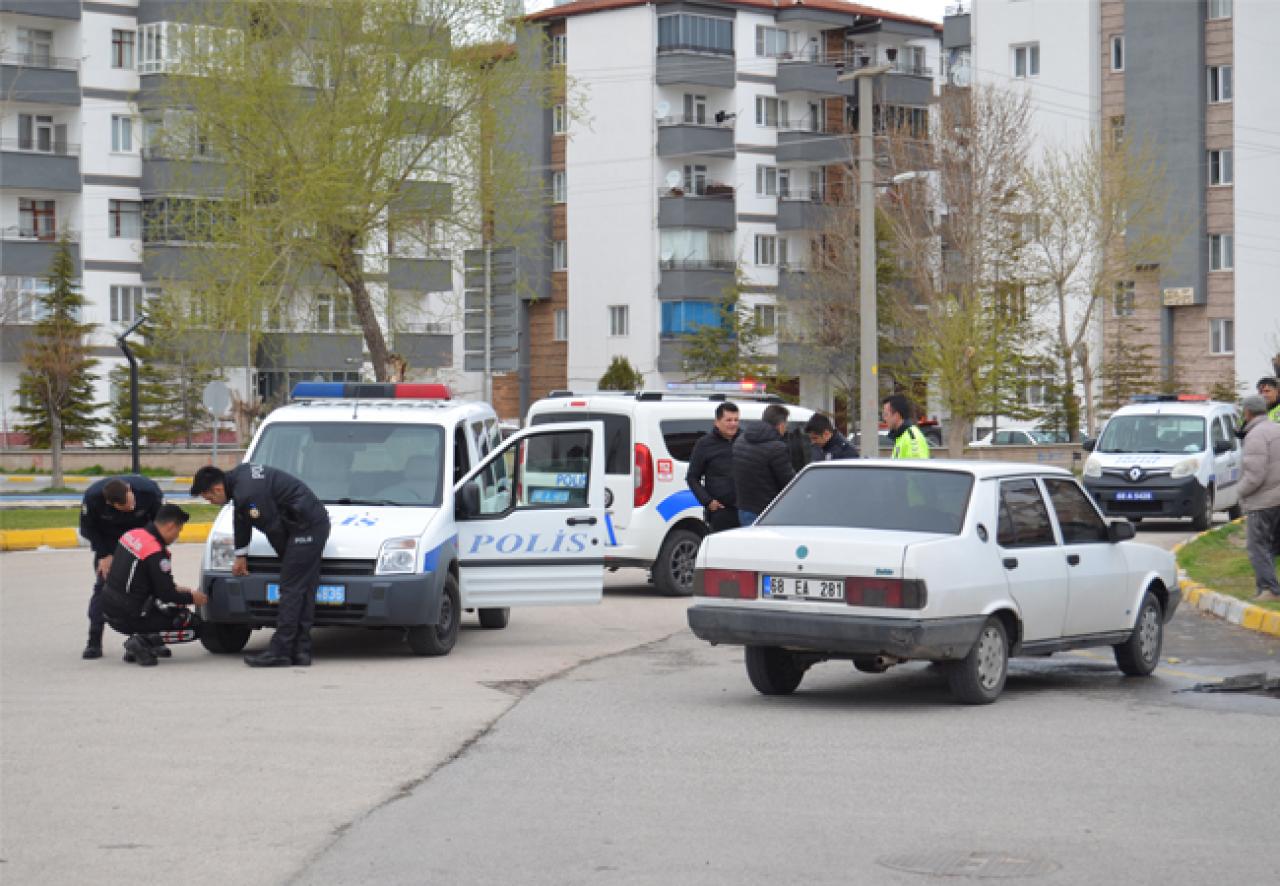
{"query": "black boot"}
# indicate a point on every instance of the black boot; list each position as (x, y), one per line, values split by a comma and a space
(93, 649)
(268, 658)
(136, 649)
(157, 644)
(302, 649)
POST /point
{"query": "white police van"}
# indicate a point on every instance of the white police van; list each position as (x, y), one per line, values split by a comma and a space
(1167, 456)
(653, 519)
(432, 513)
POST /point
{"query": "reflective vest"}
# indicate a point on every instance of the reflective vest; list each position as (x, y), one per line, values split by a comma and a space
(1274, 414)
(911, 444)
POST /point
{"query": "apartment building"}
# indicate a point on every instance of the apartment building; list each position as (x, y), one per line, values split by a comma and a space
(697, 147)
(81, 86)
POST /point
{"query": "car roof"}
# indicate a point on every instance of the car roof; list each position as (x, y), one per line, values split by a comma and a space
(627, 402)
(436, 412)
(1174, 407)
(981, 469)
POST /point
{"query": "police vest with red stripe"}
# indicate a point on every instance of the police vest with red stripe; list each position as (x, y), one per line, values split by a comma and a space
(140, 543)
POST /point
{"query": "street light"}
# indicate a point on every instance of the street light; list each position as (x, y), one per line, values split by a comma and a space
(869, 390)
(122, 340)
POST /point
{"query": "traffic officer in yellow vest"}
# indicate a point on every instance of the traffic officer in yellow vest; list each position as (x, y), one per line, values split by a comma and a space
(908, 440)
(1269, 391)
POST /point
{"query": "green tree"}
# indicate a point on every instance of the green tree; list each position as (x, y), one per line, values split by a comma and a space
(621, 376)
(56, 385)
(728, 349)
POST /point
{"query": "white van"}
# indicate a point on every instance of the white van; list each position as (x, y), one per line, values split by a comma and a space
(432, 513)
(1167, 456)
(653, 519)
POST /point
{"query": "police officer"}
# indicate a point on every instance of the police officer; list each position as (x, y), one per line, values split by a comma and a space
(110, 508)
(1269, 390)
(828, 443)
(908, 440)
(139, 597)
(295, 522)
(710, 474)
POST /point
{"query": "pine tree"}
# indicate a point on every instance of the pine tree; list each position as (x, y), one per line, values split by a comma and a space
(56, 385)
(621, 376)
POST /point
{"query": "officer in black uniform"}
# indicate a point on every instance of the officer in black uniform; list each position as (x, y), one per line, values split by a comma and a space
(139, 596)
(111, 507)
(295, 522)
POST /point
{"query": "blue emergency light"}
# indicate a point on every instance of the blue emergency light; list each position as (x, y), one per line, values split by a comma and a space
(325, 390)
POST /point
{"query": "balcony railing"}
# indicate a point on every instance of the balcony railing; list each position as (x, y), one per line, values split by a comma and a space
(704, 192)
(39, 60)
(39, 232)
(803, 195)
(697, 264)
(31, 146)
(718, 121)
(694, 47)
(853, 61)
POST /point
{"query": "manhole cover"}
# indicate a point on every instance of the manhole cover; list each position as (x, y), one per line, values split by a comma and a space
(977, 865)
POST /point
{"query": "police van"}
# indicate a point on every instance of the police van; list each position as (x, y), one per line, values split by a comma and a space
(1167, 456)
(653, 519)
(433, 513)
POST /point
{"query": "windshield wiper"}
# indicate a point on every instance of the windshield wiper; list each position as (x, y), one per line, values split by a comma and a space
(360, 501)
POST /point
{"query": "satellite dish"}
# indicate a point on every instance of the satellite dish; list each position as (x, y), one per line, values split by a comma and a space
(673, 178)
(664, 108)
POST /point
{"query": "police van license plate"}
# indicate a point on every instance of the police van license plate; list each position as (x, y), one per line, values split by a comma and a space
(326, 595)
(777, 586)
(1136, 495)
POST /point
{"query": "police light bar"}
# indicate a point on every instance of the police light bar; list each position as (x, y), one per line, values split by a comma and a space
(323, 390)
(745, 386)
(1168, 398)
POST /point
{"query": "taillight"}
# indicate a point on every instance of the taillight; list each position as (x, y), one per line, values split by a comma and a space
(644, 475)
(886, 593)
(738, 584)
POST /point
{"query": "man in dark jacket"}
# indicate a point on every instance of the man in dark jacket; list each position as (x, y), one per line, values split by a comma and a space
(296, 524)
(761, 463)
(110, 508)
(139, 597)
(828, 443)
(710, 473)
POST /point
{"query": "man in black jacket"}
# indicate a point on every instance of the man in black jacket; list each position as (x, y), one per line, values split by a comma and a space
(828, 443)
(761, 463)
(110, 508)
(710, 473)
(295, 522)
(139, 597)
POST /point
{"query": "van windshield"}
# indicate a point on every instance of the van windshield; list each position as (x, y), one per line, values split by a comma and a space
(1167, 434)
(359, 463)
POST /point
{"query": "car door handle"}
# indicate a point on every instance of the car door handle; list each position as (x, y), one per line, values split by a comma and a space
(1010, 562)
(1073, 559)
(581, 521)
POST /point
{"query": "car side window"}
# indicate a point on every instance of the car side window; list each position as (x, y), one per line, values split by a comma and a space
(1222, 431)
(1077, 517)
(461, 456)
(1024, 519)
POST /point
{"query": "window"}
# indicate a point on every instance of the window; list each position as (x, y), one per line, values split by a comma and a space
(124, 219)
(766, 181)
(122, 49)
(1117, 131)
(1035, 385)
(1219, 84)
(37, 218)
(619, 320)
(1024, 520)
(1123, 303)
(1221, 252)
(695, 179)
(35, 47)
(559, 189)
(22, 298)
(1221, 167)
(618, 454)
(38, 132)
(888, 498)
(121, 134)
(685, 317)
(695, 108)
(696, 33)
(1222, 336)
(126, 303)
(1077, 517)
(561, 324)
(559, 120)
(1219, 9)
(766, 249)
(771, 42)
(695, 248)
(560, 255)
(766, 319)
(335, 312)
(560, 49)
(1026, 61)
(769, 111)
(152, 59)
(1117, 52)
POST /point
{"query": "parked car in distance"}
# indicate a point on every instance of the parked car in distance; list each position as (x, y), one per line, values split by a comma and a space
(962, 563)
(1021, 437)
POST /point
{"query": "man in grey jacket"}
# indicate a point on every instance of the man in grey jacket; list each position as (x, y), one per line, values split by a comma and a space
(1260, 493)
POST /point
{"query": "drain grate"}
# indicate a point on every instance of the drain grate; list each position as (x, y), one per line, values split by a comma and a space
(975, 865)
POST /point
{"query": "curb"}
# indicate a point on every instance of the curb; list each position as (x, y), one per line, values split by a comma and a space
(83, 479)
(65, 537)
(1228, 608)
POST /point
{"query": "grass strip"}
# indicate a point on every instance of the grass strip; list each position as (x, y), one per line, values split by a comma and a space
(58, 518)
(1218, 561)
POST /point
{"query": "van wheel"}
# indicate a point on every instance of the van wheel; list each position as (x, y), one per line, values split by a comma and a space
(673, 570)
(222, 639)
(1203, 520)
(495, 619)
(438, 639)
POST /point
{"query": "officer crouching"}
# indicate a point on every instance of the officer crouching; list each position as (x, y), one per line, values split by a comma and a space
(140, 598)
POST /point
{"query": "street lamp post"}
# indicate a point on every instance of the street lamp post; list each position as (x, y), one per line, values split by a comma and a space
(122, 340)
(869, 389)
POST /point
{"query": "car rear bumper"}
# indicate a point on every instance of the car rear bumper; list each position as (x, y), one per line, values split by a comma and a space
(936, 639)
(1169, 498)
(370, 600)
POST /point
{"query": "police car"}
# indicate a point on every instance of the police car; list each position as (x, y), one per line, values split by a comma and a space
(1167, 456)
(653, 519)
(432, 513)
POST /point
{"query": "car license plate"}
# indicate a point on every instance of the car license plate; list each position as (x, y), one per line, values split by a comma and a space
(326, 595)
(1135, 496)
(779, 586)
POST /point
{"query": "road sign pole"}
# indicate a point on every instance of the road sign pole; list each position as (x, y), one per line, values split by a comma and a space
(488, 324)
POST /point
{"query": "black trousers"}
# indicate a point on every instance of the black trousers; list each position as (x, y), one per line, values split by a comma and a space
(300, 567)
(719, 521)
(96, 618)
(165, 621)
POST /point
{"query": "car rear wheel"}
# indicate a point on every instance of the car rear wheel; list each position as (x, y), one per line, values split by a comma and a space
(438, 639)
(222, 639)
(773, 671)
(1139, 655)
(979, 677)
(673, 571)
(1203, 520)
(495, 619)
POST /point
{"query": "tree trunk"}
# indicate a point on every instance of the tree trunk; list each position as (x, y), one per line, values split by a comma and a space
(55, 448)
(352, 275)
(1086, 380)
(958, 435)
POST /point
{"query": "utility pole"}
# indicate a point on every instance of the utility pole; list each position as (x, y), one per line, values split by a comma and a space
(488, 324)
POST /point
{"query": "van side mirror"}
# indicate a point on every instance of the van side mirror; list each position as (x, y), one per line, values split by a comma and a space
(1088, 443)
(467, 502)
(1221, 447)
(1119, 530)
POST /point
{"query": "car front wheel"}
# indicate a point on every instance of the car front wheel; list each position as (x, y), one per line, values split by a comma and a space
(773, 671)
(222, 639)
(438, 639)
(1139, 655)
(979, 677)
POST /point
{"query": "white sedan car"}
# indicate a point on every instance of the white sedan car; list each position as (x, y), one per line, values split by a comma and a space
(961, 563)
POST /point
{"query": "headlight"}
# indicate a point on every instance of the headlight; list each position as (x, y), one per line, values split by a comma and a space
(1185, 468)
(398, 555)
(222, 552)
(1093, 468)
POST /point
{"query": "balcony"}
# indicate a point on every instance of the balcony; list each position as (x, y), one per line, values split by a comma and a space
(28, 253)
(793, 283)
(425, 350)
(39, 78)
(22, 166)
(695, 278)
(168, 175)
(678, 66)
(423, 198)
(814, 72)
(682, 136)
(802, 210)
(311, 350)
(671, 354)
(714, 207)
(175, 261)
(796, 143)
(419, 274)
(63, 9)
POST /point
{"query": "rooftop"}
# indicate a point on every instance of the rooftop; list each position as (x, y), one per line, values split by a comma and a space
(582, 7)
